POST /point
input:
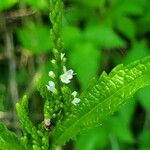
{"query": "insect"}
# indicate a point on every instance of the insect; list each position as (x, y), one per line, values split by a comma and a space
(47, 124)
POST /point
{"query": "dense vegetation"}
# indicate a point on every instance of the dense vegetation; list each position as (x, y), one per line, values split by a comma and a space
(98, 35)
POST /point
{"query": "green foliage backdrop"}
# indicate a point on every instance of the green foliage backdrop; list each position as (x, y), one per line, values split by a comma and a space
(98, 35)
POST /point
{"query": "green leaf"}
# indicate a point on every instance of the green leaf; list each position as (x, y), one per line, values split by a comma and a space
(144, 140)
(103, 36)
(138, 50)
(120, 129)
(126, 26)
(79, 59)
(105, 97)
(95, 139)
(38, 4)
(71, 35)
(5, 4)
(35, 38)
(8, 140)
(89, 3)
(144, 97)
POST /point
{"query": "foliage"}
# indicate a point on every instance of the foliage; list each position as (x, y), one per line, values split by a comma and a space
(98, 35)
(8, 140)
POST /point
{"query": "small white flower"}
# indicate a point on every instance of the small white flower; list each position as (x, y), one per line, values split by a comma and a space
(74, 94)
(76, 101)
(62, 56)
(51, 86)
(67, 76)
(51, 74)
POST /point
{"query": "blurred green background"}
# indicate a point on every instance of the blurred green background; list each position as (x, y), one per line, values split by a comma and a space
(98, 35)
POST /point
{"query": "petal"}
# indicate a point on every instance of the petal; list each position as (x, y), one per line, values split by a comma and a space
(64, 79)
(51, 86)
(76, 101)
(69, 74)
(62, 56)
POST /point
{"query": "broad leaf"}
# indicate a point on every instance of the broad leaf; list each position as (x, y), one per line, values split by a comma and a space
(8, 140)
(5, 4)
(105, 97)
(35, 38)
(79, 59)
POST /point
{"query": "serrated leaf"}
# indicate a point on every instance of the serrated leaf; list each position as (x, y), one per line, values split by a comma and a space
(105, 97)
(8, 140)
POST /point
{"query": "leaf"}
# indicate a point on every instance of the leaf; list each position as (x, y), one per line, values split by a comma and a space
(38, 4)
(95, 139)
(120, 129)
(126, 26)
(105, 97)
(89, 3)
(138, 51)
(79, 59)
(144, 97)
(8, 140)
(35, 38)
(5, 4)
(70, 40)
(103, 36)
(144, 140)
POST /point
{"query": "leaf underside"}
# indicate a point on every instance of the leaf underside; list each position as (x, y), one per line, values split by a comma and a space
(103, 98)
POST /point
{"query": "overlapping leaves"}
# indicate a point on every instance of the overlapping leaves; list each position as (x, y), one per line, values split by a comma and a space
(105, 97)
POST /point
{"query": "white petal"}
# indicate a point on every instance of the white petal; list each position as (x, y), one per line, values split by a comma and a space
(64, 79)
(69, 74)
(76, 101)
(62, 55)
(74, 94)
(51, 86)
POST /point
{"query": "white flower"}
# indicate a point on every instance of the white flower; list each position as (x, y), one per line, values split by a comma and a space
(67, 76)
(51, 74)
(51, 86)
(62, 56)
(76, 101)
(74, 94)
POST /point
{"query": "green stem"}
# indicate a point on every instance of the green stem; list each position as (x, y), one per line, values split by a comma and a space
(56, 7)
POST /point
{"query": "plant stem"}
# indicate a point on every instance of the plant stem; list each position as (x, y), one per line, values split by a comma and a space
(56, 7)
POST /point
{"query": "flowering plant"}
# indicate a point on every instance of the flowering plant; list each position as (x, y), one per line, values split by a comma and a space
(65, 113)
